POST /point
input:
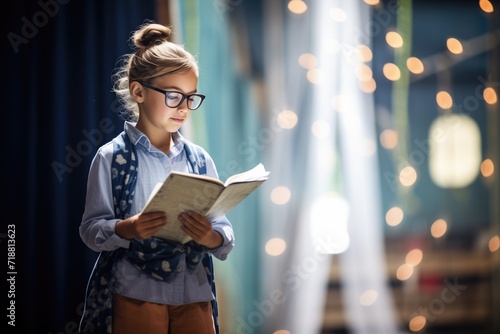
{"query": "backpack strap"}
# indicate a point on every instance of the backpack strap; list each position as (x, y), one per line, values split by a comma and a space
(97, 314)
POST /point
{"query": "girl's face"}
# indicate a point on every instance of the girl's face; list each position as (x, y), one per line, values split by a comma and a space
(155, 114)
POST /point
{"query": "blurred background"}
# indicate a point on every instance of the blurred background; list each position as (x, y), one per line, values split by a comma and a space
(378, 120)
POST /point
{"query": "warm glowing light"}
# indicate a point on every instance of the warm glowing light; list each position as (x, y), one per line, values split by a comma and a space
(389, 139)
(315, 76)
(394, 39)
(394, 216)
(280, 195)
(287, 119)
(494, 243)
(404, 272)
(415, 65)
(454, 45)
(275, 246)
(487, 167)
(414, 257)
(368, 297)
(368, 86)
(308, 61)
(338, 14)
(282, 331)
(438, 228)
(297, 6)
(372, 2)
(391, 71)
(408, 176)
(364, 72)
(365, 54)
(330, 235)
(455, 153)
(320, 129)
(490, 96)
(444, 100)
(486, 6)
(417, 323)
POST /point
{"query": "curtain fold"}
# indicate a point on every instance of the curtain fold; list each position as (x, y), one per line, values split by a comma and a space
(363, 266)
(59, 107)
(226, 125)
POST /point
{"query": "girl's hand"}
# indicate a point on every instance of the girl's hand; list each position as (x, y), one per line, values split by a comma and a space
(200, 229)
(141, 226)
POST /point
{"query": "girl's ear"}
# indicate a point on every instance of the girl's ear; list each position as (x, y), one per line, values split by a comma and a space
(137, 92)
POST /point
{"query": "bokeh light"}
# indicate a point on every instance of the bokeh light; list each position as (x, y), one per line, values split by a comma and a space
(417, 323)
(415, 65)
(308, 61)
(368, 297)
(287, 119)
(490, 96)
(454, 45)
(275, 246)
(320, 129)
(394, 216)
(394, 39)
(391, 71)
(404, 272)
(487, 168)
(414, 257)
(486, 6)
(280, 195)
(338, 14)
(444, 100)
(297, 6)
(407, 176)
(494, 243)
(315, 76)
(365, 53)
(389, 139)
(438, 228)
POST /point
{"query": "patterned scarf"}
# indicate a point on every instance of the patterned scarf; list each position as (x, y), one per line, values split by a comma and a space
(153, 256)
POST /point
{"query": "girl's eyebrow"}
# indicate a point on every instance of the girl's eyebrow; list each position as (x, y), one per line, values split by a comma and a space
(178, 89)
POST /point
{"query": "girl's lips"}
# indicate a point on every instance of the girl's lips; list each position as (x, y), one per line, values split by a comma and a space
(178, 120)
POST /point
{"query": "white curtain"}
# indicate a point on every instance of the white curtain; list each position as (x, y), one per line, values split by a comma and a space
(334, 136)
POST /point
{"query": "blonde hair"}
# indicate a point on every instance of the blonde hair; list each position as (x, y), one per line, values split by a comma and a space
(155, 56)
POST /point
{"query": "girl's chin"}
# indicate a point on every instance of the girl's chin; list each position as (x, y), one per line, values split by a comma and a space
(172, 128)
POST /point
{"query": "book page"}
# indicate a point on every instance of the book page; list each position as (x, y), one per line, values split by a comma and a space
(179, 194)
(232, 196)
(254, 174)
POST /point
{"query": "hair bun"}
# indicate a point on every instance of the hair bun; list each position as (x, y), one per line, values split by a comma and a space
(151, 34)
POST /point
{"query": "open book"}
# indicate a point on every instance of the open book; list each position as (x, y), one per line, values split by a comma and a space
(205, 195)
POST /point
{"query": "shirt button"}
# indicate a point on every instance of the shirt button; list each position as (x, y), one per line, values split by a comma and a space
(168, 168)
(179, 269)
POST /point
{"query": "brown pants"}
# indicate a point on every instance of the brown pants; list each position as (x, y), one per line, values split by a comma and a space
(136, 316)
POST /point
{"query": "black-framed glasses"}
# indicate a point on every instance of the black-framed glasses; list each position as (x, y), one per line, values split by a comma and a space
(173, 99)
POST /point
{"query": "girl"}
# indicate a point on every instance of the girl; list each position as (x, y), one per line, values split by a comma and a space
(140, 283)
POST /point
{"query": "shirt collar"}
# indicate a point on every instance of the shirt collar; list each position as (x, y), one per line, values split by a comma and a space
(139, 138)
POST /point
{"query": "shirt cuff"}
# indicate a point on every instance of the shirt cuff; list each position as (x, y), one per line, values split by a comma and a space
(107, 239)
(223, 250)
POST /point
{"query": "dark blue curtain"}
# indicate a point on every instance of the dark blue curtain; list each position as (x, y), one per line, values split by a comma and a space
(58, 108)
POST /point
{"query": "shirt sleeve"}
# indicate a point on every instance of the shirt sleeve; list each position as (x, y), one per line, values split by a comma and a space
(221, 225)
(97, 228)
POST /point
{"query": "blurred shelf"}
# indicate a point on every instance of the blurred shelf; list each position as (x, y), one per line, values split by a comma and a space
(429, 289)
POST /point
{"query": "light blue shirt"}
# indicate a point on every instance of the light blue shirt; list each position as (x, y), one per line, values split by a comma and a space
(97, 228)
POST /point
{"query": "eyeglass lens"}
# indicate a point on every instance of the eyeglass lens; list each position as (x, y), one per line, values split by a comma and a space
(174, 99)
